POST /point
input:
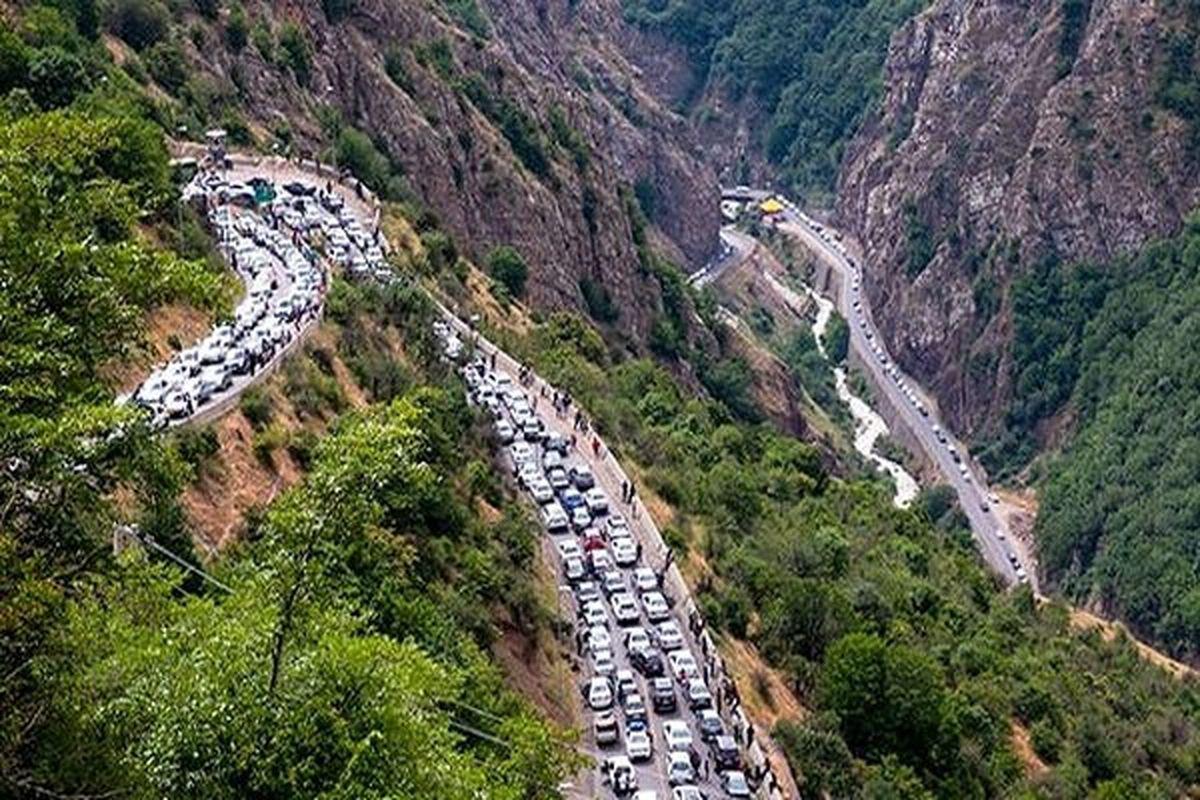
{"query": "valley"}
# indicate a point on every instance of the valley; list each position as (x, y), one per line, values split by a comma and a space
(393, 403)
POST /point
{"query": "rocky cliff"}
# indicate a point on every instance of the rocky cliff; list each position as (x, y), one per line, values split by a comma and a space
(529, 129)
(1009, 132)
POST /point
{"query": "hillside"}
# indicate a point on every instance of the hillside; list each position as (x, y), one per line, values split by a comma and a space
(516, 124)
(1010, 135)
(774, 90)
(917, 673)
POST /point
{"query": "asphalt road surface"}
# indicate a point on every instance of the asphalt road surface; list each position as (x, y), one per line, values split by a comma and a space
(995, 541)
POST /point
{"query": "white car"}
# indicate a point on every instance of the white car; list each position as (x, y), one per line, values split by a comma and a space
(602, 662)
(527, 473)
(598, 638)
(669, 636)
(541, 491)
(638, 746)
(178, 405)
(626, 683)
(656, 606)
(624, 551)
(557, 476)
(625, 609)
(554, 518)
(504, 431)
(521, 453)
(569, 548)
(599, 694)
(597, 501)
(735, 784)
(616, 526)
(679, 769)
(644, 579)
(580, 518)
(637, 639)
(676, 732)
(573, 569)
(683, 664)
(686, 793)
(594, 613)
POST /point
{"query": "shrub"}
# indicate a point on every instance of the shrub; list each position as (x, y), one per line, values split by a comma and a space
(207, 8)
(256, 405)
(167, 66)
(508, 268)
(140, 23)
(264, 41)
(302, 446)
(267, 441)
(297, 53)
(55, 77)
(598, 300)
(237, 29)
(196, 446)
(395, 64)
(337, 10)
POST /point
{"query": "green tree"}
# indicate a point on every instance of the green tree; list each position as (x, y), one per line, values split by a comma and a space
(140, 23)
(296, 53)
(889, 698)
(508, 268)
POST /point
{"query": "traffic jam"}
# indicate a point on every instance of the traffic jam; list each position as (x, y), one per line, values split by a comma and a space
(274, 238)
(653, 722)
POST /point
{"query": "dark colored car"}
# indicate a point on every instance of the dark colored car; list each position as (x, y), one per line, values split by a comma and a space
(647, 662)
(725, 753)
(662, 695)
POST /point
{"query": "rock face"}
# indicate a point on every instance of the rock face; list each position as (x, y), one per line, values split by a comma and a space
(1009, 132)
(553, 61)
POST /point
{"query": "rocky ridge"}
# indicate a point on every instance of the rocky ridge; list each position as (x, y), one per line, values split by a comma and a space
(1008, 133)
(555, 63)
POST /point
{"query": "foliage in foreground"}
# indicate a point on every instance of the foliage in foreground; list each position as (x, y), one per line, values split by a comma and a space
(350, 658)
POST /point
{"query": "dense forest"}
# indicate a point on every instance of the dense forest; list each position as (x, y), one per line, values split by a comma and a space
(340, 650)
(813, 67)
(1114, 345)
(920, 671)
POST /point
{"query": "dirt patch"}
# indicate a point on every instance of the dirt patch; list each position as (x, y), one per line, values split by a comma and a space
(1085, 620)
(539, 666)
(167, 325)
(766, 695)
(233, 482)
(1034, 766)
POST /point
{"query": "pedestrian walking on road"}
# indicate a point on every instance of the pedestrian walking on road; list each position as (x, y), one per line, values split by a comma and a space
(595, 447)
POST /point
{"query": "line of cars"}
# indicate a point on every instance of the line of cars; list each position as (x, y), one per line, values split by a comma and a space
(650, 703)
(987, 499)
(284, 289)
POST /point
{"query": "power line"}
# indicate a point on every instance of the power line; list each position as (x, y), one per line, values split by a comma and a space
(148, 541)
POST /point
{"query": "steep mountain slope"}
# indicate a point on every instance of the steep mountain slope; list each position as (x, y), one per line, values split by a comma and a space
(523, 126)
(1011, 134)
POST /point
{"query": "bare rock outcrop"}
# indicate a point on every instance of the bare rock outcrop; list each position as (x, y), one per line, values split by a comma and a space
(1009, 132)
